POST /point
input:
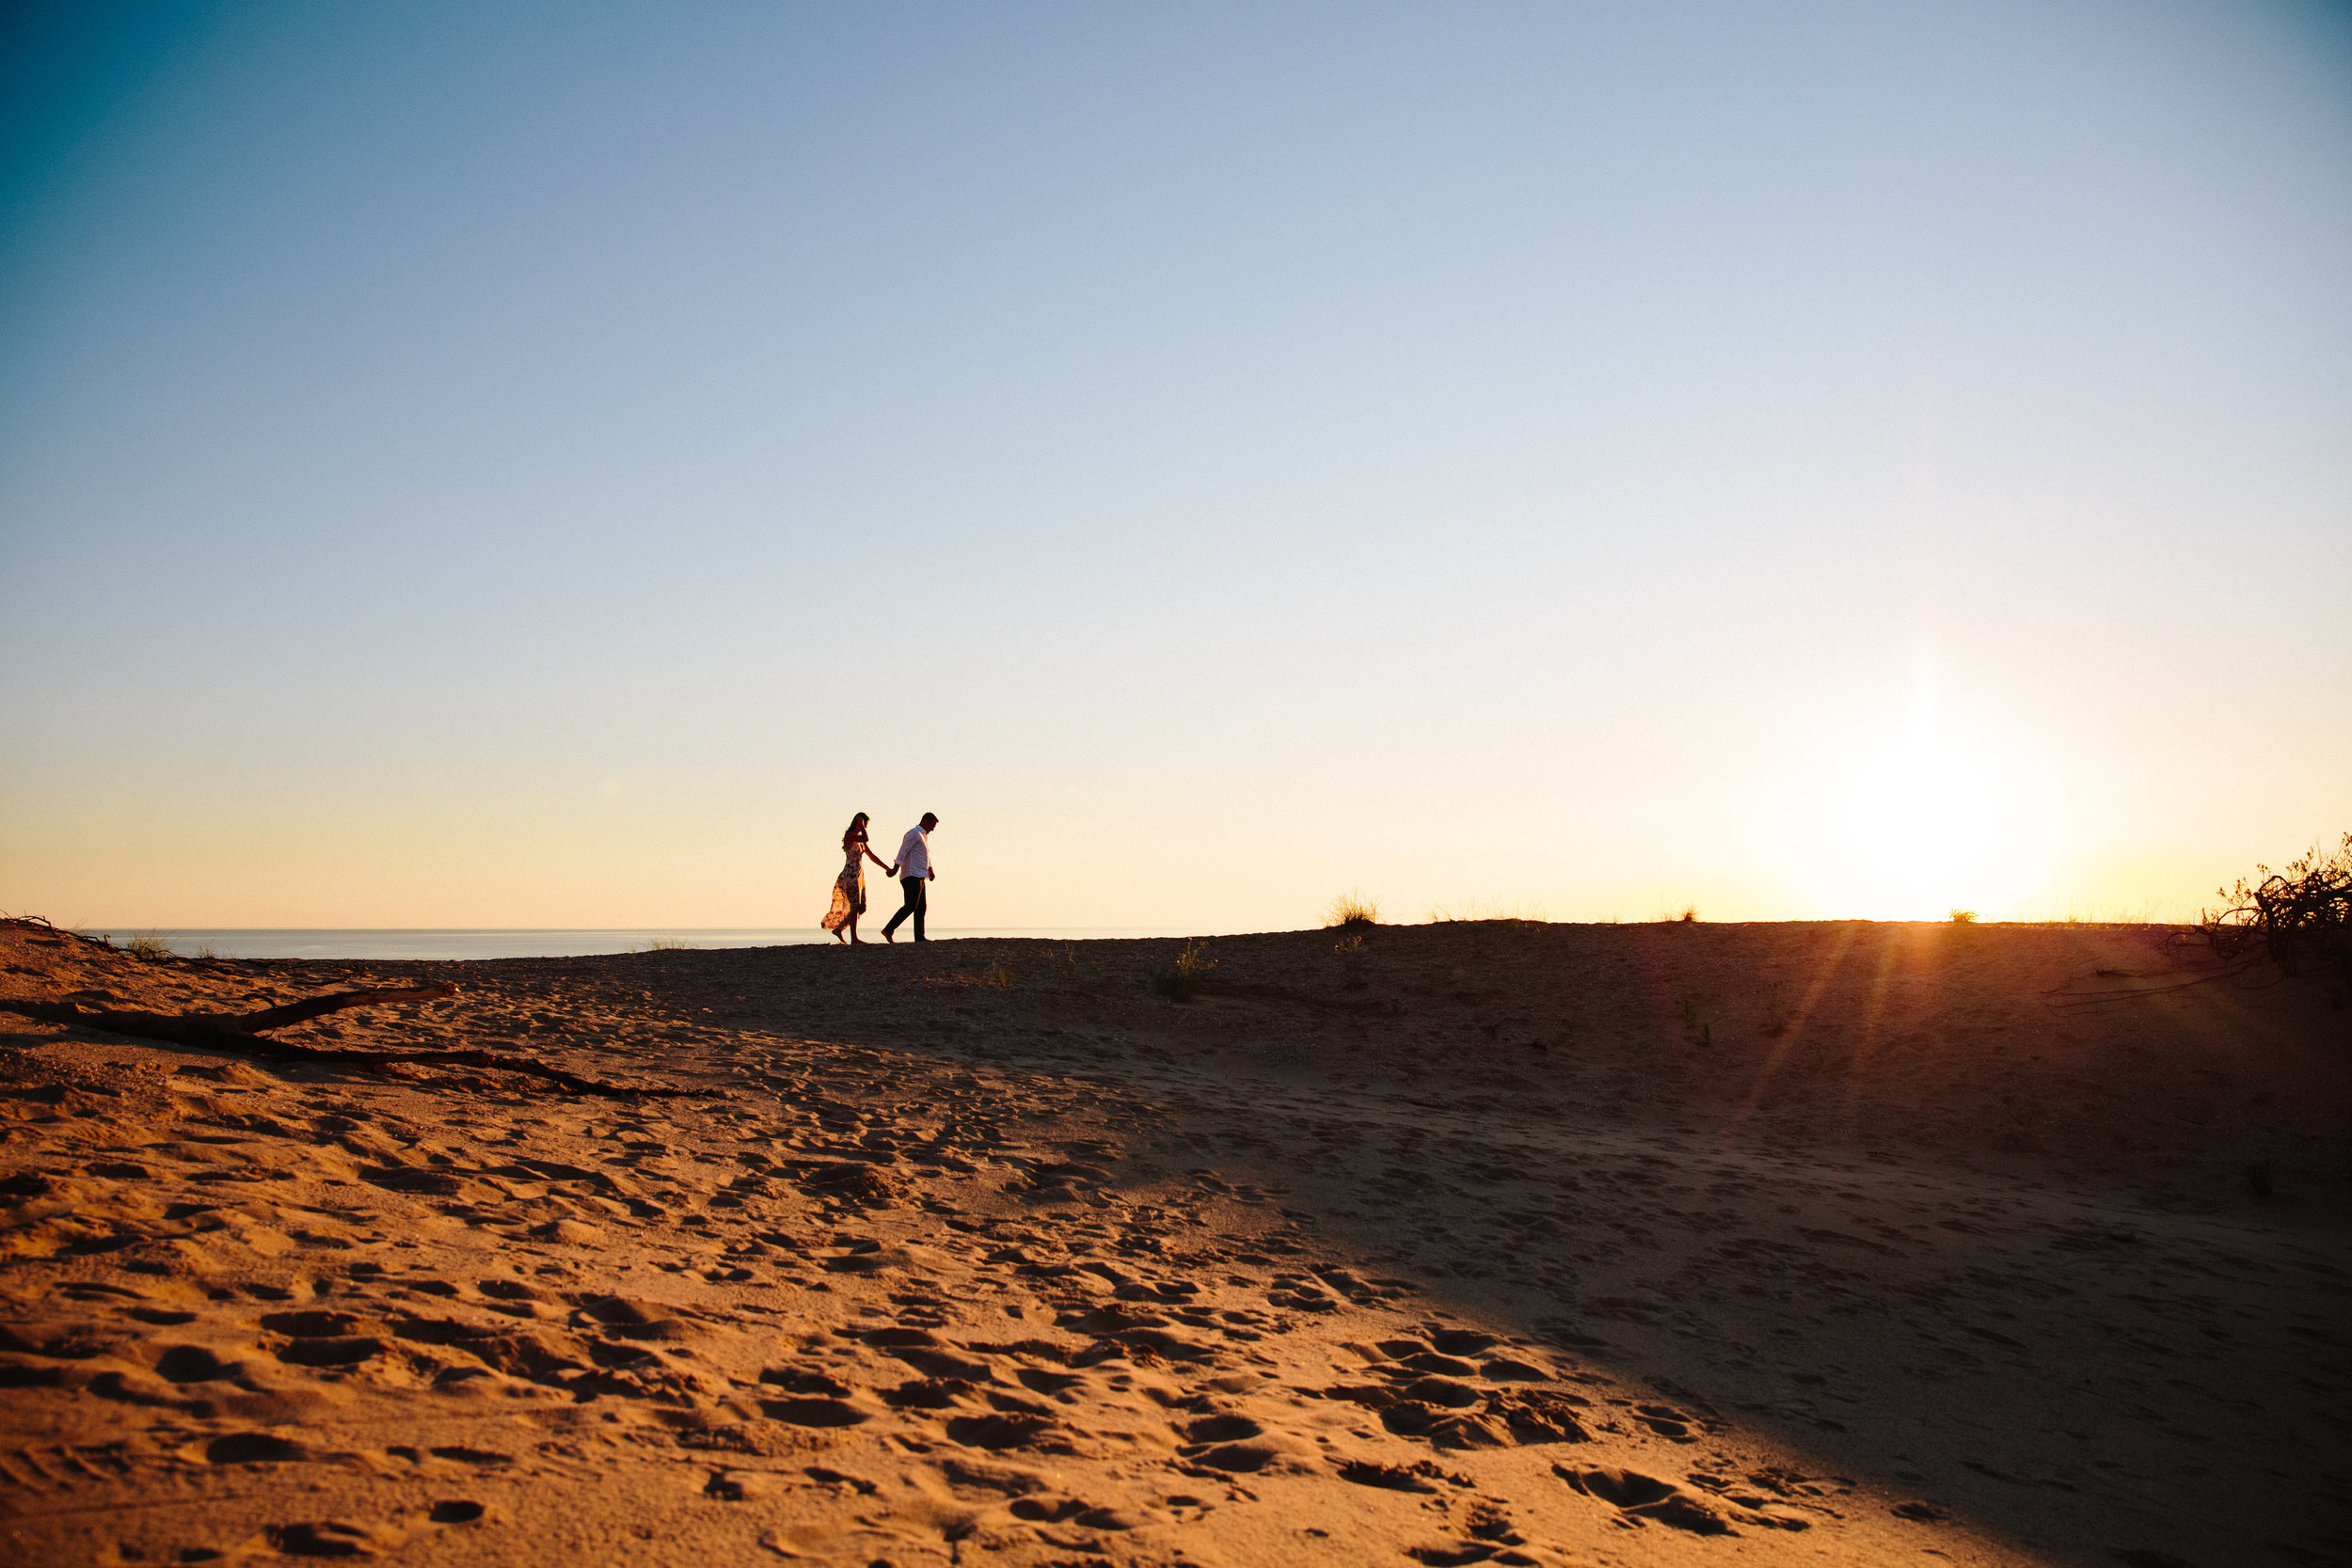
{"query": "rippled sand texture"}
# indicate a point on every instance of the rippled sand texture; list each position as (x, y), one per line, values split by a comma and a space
(1476, 1242)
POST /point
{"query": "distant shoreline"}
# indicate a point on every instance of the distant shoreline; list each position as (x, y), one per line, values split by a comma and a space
(391, 943)
(395, 943)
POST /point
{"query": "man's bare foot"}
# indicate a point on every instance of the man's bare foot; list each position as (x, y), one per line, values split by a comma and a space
(888, 938)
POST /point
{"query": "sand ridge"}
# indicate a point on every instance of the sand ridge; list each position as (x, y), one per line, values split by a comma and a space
(1487, 1242)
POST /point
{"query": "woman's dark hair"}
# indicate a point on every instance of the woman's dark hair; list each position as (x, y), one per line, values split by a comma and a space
(856, 831)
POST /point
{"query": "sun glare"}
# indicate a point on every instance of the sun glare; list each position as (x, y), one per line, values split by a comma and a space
(1915, 823)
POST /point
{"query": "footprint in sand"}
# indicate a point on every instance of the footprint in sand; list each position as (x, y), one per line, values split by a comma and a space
(340, 1351)
(999, 1431)
(929, 1393)
(812, 1412)
(1392, 1478)
(1227, 1428)
(1645, 1499)
(193, 1364)
(253, 1447)
(799, 1379)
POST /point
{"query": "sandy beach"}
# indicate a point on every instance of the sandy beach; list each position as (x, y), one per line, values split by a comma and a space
(1479, 1242)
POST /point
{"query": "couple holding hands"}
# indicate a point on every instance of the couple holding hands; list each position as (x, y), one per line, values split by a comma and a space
(914, 871)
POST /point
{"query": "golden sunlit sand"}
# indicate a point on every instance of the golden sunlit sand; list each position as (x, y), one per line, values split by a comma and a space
(1472, 1242)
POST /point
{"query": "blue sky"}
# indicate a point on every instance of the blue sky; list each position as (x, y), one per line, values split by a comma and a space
(472, 465)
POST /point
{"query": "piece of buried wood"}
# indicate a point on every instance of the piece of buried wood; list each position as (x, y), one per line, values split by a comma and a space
(241, 1034)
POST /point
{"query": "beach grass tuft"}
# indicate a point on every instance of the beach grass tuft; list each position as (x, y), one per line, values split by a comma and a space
(1352, 909)
(1182, 981)
(1085, 974)
(1355, 956)
(149, 946)
(996, 977)
(1963, 917)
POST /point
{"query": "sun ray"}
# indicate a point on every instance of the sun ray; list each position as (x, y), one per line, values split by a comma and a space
(1842, 939)
(1873, 1011)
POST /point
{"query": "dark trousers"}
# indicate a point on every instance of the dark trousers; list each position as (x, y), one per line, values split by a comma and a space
(914, 906)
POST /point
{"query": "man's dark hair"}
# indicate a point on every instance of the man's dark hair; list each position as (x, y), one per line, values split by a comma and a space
(929, 821)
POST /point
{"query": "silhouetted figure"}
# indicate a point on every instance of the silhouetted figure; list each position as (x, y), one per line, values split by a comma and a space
(914, 875)
(849, 889)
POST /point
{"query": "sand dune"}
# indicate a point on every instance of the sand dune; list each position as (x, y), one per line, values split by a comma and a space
(1458, 1243)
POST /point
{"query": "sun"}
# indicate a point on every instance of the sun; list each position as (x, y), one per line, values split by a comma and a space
(1914, 823)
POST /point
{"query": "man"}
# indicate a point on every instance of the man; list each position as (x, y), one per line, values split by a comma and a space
(914, 870)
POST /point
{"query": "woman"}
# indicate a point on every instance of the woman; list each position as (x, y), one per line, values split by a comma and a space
(849, 889)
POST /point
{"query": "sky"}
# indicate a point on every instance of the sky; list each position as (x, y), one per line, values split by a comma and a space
(551, 464)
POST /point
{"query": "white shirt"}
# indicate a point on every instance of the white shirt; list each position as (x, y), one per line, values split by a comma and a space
(914, 854)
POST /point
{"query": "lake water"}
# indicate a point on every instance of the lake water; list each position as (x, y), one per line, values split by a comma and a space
(412, 944)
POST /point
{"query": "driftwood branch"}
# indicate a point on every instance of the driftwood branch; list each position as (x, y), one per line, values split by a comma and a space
(217, 1031)
(240, 1034)
(318, 1006)
(2061, 996)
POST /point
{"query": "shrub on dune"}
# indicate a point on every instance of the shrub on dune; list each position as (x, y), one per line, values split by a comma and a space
(2302, 911)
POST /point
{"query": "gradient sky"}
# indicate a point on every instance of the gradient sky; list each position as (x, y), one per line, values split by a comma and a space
(512, 465)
